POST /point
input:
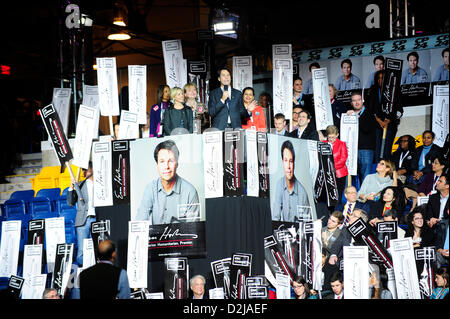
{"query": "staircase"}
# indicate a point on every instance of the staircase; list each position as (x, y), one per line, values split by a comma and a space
(31, 165)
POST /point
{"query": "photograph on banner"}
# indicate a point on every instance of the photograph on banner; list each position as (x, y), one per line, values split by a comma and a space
(167, 189)
(291, 189)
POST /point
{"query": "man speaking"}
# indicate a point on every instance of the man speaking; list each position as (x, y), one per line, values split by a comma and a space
(226, 105)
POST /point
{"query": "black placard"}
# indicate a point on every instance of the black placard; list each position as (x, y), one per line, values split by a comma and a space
(15, 286)
(176, 278)
(233, 166)
(391, 85)
(329, 172)
(177, 240)
(61, 262)
(386, 232)
(240, 269)
(121, 172)
(275, 258)
(263, 164)
(221, 273)
(99, 231)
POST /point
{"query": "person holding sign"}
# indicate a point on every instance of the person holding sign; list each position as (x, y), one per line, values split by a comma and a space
(178, 115)
(85, 209)
(169, 195)
(257, 121)
(226, 105)
(289, 194)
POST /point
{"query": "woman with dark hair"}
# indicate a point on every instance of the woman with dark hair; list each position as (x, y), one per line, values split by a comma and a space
(402, 157)
(157, 110)
(391, 197)
(442, 284)
(257, 121)
(421, 233)
(301, 289)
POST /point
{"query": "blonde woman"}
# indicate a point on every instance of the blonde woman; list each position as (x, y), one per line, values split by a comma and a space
(199, 109)
(178, 115)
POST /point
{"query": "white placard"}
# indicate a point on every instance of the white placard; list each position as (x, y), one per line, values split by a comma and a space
(322, 103)
(32, 263)
(317, 256)
(137, 259)
(36, 287)
(173, 63)
(101, 164)
(313, 160)
(155, 295)
(88, 253)
(66, 265)
(356, 272)
(9, 247)
(217, 293)
(137, 91)
(252, 164)
(349, 135)
(242, 72)
(87, 117)
(54, 234)
(129, 125)
(90, 98)
(439, 123)
(281, 51)
(283, 286)
(108, 95)
(61, 103)
(282, 87)
(213, 164)
(405, 269)
(422, 200)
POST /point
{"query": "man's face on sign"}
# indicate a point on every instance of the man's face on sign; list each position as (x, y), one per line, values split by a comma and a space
(167, 165)
(412, 62)
(346, 69)
(288, 164)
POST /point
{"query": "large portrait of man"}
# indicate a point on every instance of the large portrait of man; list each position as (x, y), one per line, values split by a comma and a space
(291, 189)
(163, 192)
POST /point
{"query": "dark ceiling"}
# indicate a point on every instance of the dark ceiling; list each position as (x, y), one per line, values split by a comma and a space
(31, 30)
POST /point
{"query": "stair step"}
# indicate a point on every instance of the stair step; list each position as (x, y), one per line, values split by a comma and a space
(27, 170)
(32, 156)
(23, 178)
(31, 163)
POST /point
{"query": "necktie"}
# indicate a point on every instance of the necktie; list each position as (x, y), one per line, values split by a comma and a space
(347, 215)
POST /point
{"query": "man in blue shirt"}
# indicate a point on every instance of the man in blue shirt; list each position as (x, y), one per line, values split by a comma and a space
(290, 194)
(347, 81)
(442, 71)
(414, 74)
(169, 198)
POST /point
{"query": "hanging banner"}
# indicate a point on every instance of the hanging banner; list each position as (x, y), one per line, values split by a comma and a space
(137, 258)
(213, 164)
(36, 287)
(386, 232)
(185, 239)
(129, 125)
(176, 278)
(63, 265)
(252, 164)
(90, 98)
(322, 103)
(32, 263)
(349, 135)
(108, 95)
(61, 102)
(263, 164)
(240, 269)
(233, 163)
(86, 122)
(242, 72)
(390, 90)
(54, 234)
(101, 165)
(327, 165)
(439, 124)
(100, 230)
(406, 277)
(310, 252)
(356, 272)
(221, 274)
(173, 63)
(9, 247)
(137, 91)
(425, 262)
(121, 172)
(54, 129)
(282, 87)
(362, 235)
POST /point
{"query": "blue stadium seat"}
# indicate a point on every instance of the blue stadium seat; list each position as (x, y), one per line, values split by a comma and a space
(25, 195)
(41, 205)
(15, 209)
(51, 193)
(71, 237)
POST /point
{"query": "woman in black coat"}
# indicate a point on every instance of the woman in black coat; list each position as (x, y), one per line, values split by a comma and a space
(178, 115)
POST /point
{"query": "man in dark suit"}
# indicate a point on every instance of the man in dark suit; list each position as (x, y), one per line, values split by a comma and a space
(226, 105)
(85, 209)
(305, 130)
(337, 285)
(436, 214)
(104, 280)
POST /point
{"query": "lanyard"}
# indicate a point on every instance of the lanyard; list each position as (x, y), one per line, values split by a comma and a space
(402, 157)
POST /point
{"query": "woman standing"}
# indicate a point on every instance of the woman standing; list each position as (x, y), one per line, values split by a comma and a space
(157, 110)
(340, 158)
(257, 121)
(199, 109)
(178, 115)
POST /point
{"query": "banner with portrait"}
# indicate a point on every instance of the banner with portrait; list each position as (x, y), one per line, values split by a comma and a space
(291, 190)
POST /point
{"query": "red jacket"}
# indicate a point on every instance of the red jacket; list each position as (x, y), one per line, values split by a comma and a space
(259, 120)
(340, 157)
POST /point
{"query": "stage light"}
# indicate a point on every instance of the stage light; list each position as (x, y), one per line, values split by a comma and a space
(119, 36)
(86, 21)
(120, 14)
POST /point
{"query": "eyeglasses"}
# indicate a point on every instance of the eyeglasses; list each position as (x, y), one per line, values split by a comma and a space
(403, 141)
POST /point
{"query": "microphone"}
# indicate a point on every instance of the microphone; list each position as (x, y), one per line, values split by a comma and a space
(225, 88)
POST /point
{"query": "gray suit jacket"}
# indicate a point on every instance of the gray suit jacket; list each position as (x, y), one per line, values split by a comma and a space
(82, 208)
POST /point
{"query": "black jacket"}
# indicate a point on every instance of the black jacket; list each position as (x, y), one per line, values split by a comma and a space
(431, 155)
(366, 130)
(308, 134)
(433, 207)
(170, 122)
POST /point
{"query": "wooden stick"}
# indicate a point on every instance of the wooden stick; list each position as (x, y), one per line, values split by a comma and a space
(111, 126)
(383, 142)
